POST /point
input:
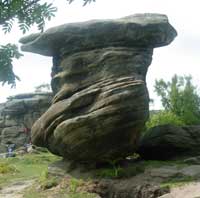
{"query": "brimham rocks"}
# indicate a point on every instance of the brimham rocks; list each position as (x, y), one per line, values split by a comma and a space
(100, 99)
(17, 116)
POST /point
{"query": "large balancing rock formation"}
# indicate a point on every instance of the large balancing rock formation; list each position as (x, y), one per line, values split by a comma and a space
(98, 78)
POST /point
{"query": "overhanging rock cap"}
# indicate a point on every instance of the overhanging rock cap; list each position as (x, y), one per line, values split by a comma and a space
(140, 30)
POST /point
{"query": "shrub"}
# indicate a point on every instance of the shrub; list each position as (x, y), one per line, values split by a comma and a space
(163, 117)
(181, 97)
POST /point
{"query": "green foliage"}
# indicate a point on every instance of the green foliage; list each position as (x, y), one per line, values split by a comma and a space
(115, 165)
(163, 117)
(26, 13)
(180, 97)
(7, 53)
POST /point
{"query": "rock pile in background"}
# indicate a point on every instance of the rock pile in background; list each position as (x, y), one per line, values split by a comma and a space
(17, 116)
(99, 82)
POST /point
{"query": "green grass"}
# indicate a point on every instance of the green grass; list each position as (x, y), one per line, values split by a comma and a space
(70, 189)
(35, 167)
(32, 193)
(6, 168)
(27, 167)
(47, 181)
(133, 169)
(158, 164)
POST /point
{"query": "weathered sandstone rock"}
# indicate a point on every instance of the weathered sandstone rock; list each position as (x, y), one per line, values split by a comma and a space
(98, 78)
(167, 141)
(17, 116)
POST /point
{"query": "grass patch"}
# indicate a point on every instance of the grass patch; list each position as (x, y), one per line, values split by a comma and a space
(67, 188)
(26, 167)
(158, 164)
(47, 181)
(81, 195)
(74, 184)
(32, 193)
(6, 168)
(120, 172)
(133, 169)
(35, 166)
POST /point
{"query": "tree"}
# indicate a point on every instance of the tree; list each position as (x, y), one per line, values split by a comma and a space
(180, 97)
(162, 118)
(26, 13)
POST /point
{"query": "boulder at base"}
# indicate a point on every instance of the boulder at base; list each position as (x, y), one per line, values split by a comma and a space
(99, 81)
(168, 141)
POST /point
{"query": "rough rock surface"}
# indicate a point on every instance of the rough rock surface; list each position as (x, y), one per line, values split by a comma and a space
(98, 78)
(167, 142)
(17, 116)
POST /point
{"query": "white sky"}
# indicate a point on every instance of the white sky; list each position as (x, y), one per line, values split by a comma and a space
(182, 57)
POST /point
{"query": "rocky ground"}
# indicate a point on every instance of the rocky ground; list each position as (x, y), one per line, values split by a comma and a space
(130, 179)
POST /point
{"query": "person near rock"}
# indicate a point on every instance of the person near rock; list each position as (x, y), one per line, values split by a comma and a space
(27, 131)
(10, 149)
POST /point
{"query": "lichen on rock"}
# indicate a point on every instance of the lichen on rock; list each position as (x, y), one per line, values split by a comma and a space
(99, 71)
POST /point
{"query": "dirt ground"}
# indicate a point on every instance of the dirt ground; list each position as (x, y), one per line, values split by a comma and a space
(15, 190)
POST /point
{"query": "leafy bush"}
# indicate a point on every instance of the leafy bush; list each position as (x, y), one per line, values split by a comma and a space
(180, 97)
(164, 117)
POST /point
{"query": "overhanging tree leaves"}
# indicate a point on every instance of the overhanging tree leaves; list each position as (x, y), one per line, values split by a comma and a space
(85, 1)
(26, 13)
(180, 97)
(7, 53)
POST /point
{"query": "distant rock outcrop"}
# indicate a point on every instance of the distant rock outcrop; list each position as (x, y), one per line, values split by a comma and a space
(167, 141)
(17, 116)
(98, 78)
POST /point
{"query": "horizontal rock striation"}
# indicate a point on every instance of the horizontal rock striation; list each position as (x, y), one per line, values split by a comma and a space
(100, 99)
(17, 116)
(140, 30)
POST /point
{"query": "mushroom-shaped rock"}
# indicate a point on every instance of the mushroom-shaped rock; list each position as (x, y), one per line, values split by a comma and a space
(100, 100)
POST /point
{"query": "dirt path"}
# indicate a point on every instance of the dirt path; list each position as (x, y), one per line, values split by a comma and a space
(15, 189)
(190, 190)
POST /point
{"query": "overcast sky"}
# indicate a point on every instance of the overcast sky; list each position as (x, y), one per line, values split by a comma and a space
(181, 57)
